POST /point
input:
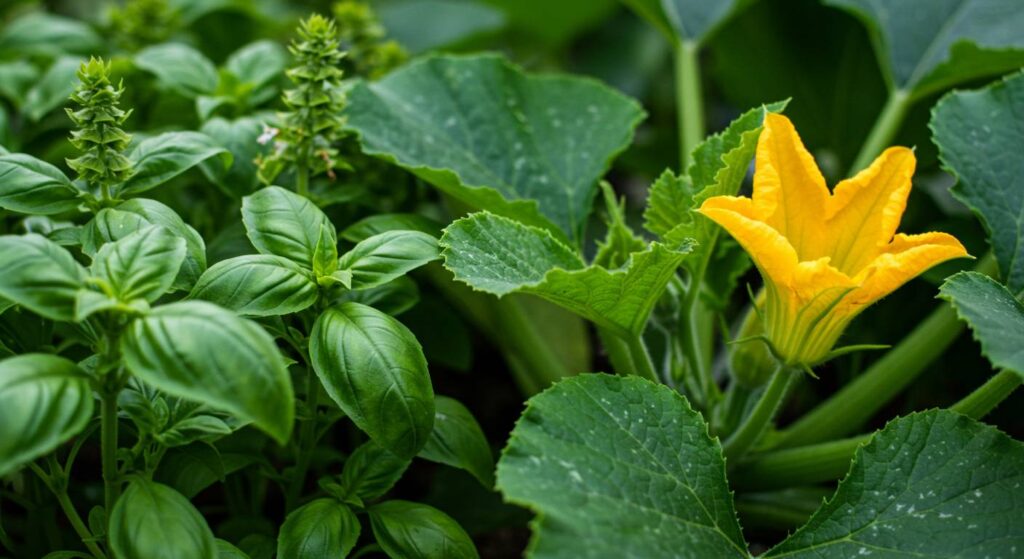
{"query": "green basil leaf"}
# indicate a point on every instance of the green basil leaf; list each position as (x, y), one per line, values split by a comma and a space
(39, 275)
(282, 223)
(201, 352)
(995, 316)
(325, 255)
(370, 472)
(44, 401)
(142, 265)
(53, 88)
(382, 223)
(930, 45)
(975, 132)
(932, 484)
(179, 67)
(16, 77)
(373, 368)
(500, 256)
(240, 137)
(258, 63)
(42, 34)
(192, 468)
(603, 459)
(227, 551)
(413, 531)
(158, 159)
(204, 428)
(257, 285)
(387, 256)
(153, 521)
(458, 441)
(393, 298)
(29, 185)
(320, 529)
(536, 157)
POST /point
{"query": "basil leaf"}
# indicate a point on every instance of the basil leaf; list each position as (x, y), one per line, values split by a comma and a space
(536, 157)
(458, 441)
(258, 63)
(201, 352)
(179, 67)
(603, 459)
(160, 158)
(381, 223)
(153, 521)
(53, 88)
(29, 185)
(44, 401)
(282, 223)
(373, 368)
(257, 285)
(240, 137)
(41, 34)
(142, 265)
(387, 256)
(320, 529)
(39, 275)
(370, 472)
(413, 531)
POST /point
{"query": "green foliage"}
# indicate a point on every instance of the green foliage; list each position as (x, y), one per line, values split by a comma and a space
(976, 132)
(416, 531)
(153, 521)
(319, 529)
(363, 37)
(458, 441)
(993, 313)
(139, 23)
(99, 136)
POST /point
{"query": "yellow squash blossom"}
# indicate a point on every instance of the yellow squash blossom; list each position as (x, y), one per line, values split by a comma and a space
(824, 256)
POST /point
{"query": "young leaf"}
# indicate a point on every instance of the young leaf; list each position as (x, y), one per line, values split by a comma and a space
(142, 265)
(204, 353)
(382, 223)
(604, 459)
(320, 529)
(386, 256)
(53, 88)
(257, 285)
(500, 256)
(179, 67)
(932, 484)
(978, 133)
(283, 223)
(995, 316)
(258, 63)
(413, 531)
(159, 159)
(374, 369)
(240, 137)
(458, 441)
(325, 255)
(29, 185)
(369, 473)
(39, 275)
(153, 521)
(537, 154)
(44, 401)
(929, 45)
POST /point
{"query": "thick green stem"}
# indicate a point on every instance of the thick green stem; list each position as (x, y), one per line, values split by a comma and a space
(885, 129)
(642, 363)
(985, 398)
(728, 415)
(829, 461)
(849, 409)
(780, 510)
(302, 180)
(514, 326)
(689, 100)
(751, 429)
(108, 450)
(307, 438)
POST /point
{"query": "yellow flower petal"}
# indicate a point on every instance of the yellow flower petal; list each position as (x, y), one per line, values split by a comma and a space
(864, 212)
(905, 258)
(771, 252)
(788, 187)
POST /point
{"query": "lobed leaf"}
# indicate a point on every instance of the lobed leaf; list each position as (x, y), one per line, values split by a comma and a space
(619, 466)
(993, 313)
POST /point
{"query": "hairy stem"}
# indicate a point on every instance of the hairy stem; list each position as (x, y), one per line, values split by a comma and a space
(884, 130)
(689, 99)
(751, 429)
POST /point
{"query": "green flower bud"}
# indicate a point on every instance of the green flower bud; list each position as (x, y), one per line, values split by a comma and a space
(99, 135)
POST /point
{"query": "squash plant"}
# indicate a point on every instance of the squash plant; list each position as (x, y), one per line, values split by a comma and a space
(228, 333)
